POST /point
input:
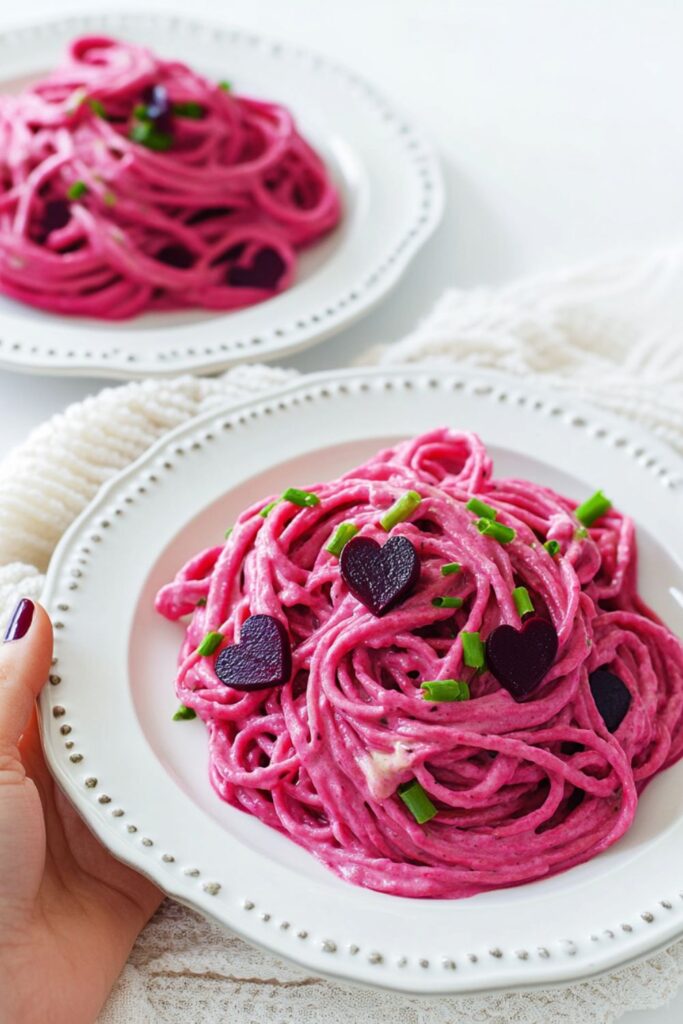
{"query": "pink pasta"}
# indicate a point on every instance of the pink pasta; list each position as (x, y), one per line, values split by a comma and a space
(131, 183)
(520, 788)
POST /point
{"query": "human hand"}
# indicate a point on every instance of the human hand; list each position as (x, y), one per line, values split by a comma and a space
(69, 912)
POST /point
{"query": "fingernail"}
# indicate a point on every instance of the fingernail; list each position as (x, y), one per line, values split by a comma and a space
(21, 620)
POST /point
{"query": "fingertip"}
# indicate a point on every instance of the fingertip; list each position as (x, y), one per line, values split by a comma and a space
(26, 652)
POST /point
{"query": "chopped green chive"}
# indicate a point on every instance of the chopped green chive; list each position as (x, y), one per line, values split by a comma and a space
(140, 111)
(497, 531)
(201, 603)
(209, 644)
(184, 714)
(225, 85)
(189, 109)
(552, 547)
(450, 568)
(523, 602)
(581, 533)
(305, 499)
(97, 108)
(267, 509)
(416, 800)
(593, 508)
(341, 537)
(472, 650)
(480, 508)
(147, 134)
(78, 189)
(228, 532)
(400, 510)
(443, 690)
(447, 602)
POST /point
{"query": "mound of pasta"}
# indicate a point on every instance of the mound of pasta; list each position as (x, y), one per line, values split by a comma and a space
(131, 183)
(436, 681)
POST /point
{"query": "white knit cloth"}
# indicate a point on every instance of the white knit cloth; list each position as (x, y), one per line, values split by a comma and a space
(613, 332)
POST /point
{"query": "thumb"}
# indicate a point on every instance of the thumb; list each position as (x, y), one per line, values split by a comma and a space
(25, 657)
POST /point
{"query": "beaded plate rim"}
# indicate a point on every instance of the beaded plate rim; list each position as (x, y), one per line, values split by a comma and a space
(639, 931)
(216, 343)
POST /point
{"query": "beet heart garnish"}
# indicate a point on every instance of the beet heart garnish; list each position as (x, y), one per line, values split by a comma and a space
(612, 697)
(520, 658)
(265, 271)
(380, 577)
(262, 658)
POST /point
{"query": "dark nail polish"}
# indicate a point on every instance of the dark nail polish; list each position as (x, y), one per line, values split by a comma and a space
(20, 623)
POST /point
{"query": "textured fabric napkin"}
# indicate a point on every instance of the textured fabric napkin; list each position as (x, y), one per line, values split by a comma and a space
(611, 332)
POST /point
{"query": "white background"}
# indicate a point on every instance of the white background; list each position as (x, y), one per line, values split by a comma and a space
(558, 123)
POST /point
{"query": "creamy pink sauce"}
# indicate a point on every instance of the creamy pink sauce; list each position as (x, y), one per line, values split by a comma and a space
(321, 757)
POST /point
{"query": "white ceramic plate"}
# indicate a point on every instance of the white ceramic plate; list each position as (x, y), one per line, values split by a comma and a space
(140, 780)
(388, 177)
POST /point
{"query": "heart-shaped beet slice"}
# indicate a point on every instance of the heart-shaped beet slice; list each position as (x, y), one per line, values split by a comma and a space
(262, 658)
(380, 576)
(520, 658)
(265, 271)
(612, 697)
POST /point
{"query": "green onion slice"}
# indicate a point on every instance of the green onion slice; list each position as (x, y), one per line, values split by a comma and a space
(523, 602)
(341, 537)
(445, 690)
(480, 508)
(209, 644)
(400, 510)
(593, 508)
(189, 109)
(228, 532)
(78, 189)
(305, 499)
(184, 714)
(416, 800)
(201, 603)
(450, 568)
(447, 602)
(225, 85)
(267, 509)
(497, 531)
(552, 547)
(97, 108)
(147, 134)
(473, 650)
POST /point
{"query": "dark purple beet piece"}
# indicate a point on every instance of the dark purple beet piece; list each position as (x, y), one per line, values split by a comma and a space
(176, 255)
(265, 271)
(262, 658)
(612, 697)
(380, 577)
(520, 658)
(56, 214)
(158, 106)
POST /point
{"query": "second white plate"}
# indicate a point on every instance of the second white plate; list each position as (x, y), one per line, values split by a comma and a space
(388, 177)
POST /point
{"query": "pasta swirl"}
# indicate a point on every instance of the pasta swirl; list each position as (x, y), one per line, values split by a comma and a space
(131, 183)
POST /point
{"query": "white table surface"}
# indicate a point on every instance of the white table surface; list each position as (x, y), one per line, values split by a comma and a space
(559, 128)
